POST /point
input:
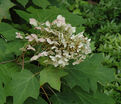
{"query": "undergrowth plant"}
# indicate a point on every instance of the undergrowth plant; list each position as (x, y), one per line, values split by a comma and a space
(45, 57)
(102, 24)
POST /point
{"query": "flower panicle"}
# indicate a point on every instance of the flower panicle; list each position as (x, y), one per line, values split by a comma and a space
(58, 42)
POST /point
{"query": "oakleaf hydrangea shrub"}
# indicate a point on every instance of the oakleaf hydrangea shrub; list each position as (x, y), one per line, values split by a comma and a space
(59, 42)
(46, 62)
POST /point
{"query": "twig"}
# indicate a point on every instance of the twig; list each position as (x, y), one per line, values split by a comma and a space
(8, 61)
(23, 61)
(35, 74)
(45, 94)
(52, 91)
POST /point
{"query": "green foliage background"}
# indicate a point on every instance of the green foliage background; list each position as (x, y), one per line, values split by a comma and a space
(97, 80)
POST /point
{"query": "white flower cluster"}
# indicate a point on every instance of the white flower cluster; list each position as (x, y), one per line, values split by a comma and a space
(58, 42)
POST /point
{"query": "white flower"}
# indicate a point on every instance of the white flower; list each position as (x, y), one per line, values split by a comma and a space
(41, 40)
(55, 64)
(80, 45)
(60, 21)
(59, 56)
(44, 53)
(49, 41)
(76, 62)
(35, 37)
(53, 58)
(54, 47)
(47, 23)
(34, 58)
(22, 49)
(73, 29)
(33, 21)
(30, 48)
(38, 28)
(18, 35)
(29, 37)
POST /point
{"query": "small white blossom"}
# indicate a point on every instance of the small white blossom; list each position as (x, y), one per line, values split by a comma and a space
(29, 37)
(60, 21)
(34, 58)
(30, 48)
(18, 35)
(47, 23)
(38, 28)
(32, 21)
(35, 37)
(41, 40)
(49, 41)
(44, 53)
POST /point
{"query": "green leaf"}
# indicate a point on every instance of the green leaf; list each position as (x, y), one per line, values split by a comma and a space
(65, 97)
(90, 71)
(24, 85)
(8, 31)
(77, 78)
(6, 72)
(90, 98)
(50, 14)
(33, 101)
(23, 2)
(41, 3)
(5, 5)
(52, 76)
(78, 96)
(9, 49)
(2, 94)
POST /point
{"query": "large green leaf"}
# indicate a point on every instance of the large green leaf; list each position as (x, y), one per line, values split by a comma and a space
(90, 98)
(23, 2)
(43, 15)
(66, 97)
(5, 5)
(52, 76)
(90, 71)
(41, 3)
(78, 96)
(24, 85)
(33, 101)
(8, 31)
(77, 78)
(9, 49)
(6, 72)
(2, 93)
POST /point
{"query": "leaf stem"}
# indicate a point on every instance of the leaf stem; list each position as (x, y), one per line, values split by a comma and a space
(45, 94)
(8, 61)
(23, 61)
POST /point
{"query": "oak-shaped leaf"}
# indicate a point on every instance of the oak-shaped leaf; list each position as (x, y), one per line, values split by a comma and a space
(23, 85)
(40, 100)
(52, 76)
(41, 3)
(6, 72)
(88, 73)
(5, 5)
(78, 96)
(8, 50)
(93, 98)
(50, 14)
(23, 2)
(8, 31)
